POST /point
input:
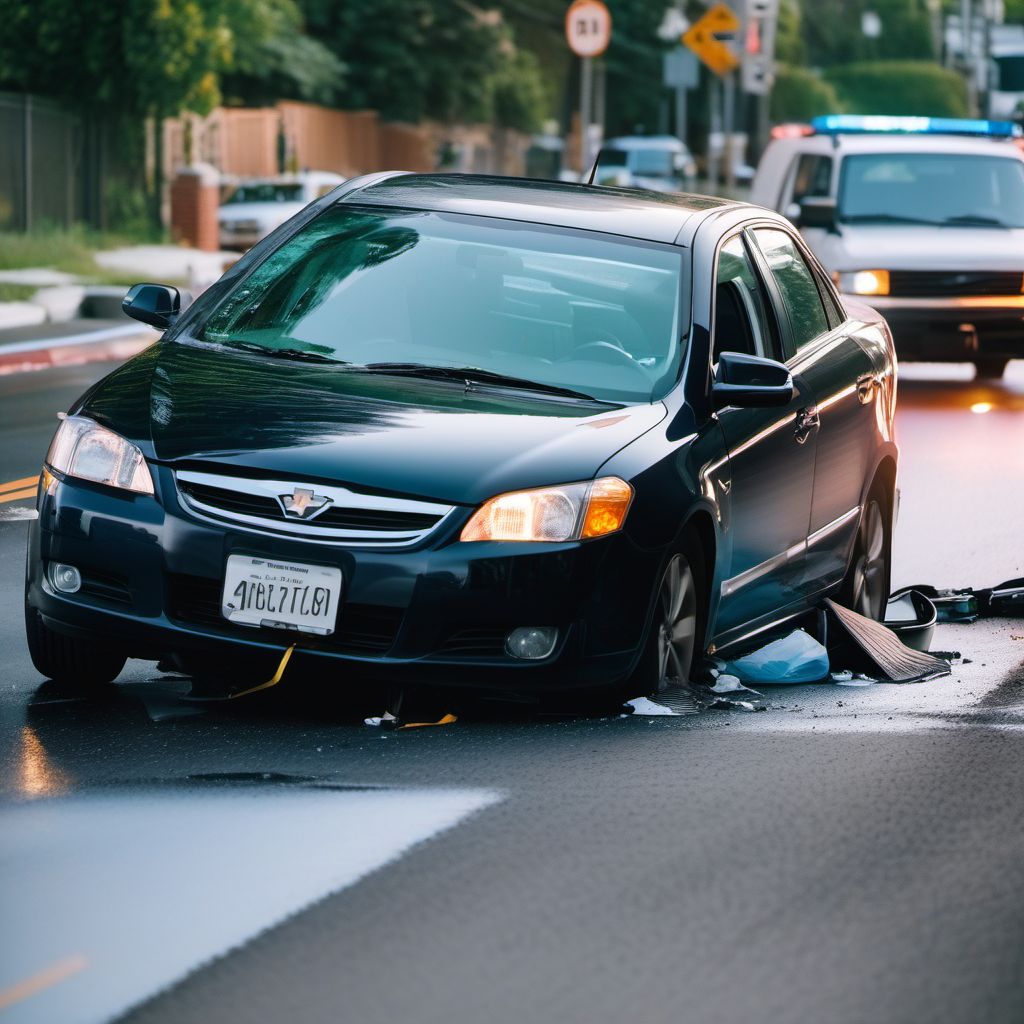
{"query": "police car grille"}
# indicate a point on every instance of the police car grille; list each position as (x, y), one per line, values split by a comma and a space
(928, 283)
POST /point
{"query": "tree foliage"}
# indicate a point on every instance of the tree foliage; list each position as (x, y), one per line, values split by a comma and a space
(800, 94)
(832, 32)
(900, 87)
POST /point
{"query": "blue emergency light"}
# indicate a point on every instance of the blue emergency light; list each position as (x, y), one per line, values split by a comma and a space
(877, 124)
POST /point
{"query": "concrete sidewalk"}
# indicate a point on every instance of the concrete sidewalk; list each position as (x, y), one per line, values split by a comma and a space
(39, 346)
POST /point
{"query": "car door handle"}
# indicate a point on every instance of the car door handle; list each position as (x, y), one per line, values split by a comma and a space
(866, 385)
(806, 422)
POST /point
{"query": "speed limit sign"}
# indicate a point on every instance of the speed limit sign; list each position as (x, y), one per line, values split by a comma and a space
(588, 28)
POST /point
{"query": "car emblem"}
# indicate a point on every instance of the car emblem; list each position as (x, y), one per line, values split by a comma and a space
(302, 503)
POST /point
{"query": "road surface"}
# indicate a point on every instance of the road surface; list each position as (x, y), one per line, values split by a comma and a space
(850, 854)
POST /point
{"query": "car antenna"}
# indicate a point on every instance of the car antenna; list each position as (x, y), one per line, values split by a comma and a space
(593, 170)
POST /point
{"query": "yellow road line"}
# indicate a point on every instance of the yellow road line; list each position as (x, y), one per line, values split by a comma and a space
(17, 485)
(29, 492)
(62, 969)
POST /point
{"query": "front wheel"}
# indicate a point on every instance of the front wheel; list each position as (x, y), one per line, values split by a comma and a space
(80, 665)
(675, 633)
(866, 587)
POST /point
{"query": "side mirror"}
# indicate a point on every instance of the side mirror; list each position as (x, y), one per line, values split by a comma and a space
(750, 382)
(155, 304)
(817, 212)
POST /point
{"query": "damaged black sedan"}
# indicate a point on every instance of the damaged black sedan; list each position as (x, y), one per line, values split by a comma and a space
(474, 431)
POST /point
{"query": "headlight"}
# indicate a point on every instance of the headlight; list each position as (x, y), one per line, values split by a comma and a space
(83, 449)
(865, 282)
(580, 511)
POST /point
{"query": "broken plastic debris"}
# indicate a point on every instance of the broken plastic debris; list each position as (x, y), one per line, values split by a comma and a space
(796, 658)
(911, 615)
(443, 720)
(726, 683)
(645, 706)
(866, 645)
(385, 721)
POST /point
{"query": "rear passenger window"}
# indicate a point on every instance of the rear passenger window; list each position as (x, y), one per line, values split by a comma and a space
(741, 310)
(796, 284)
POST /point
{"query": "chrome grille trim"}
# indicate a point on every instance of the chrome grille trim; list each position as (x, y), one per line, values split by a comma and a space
(308, 529)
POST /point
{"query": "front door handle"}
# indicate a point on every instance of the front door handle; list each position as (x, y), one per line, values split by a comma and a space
(806, 422)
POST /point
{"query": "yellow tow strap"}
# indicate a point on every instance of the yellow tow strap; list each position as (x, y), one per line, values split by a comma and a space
(272, 681)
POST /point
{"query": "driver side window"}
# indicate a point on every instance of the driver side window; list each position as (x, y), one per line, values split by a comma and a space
(741, 321)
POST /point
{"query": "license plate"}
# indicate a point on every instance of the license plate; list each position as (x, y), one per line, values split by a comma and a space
(283, 595)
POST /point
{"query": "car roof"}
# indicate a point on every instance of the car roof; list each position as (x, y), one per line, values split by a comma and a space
(633, 213)
(646, 142)
(899, 142)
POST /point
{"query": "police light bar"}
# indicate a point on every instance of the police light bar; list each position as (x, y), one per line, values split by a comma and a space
(853, 124)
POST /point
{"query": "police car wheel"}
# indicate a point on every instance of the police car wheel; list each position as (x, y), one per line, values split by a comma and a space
(990, 367)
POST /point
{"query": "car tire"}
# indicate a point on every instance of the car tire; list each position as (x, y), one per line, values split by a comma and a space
(675, 633)
(866, 586)
(990, 368)
(77, 664)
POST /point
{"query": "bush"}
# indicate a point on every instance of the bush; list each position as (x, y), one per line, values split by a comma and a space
(900, 87)
(799, 95)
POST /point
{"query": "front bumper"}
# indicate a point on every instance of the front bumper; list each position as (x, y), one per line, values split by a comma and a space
(435, 613)
(953, 329)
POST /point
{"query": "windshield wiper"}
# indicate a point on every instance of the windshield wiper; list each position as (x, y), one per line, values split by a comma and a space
(470, 376)
(300, 354)
(976, 218)
(887, 218)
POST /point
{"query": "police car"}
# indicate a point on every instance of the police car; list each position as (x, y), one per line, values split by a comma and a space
(922, 217)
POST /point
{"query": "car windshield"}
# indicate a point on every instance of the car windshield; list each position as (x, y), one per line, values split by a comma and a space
(654, 163)
(266, 192)
(932, 188)
(370, 285)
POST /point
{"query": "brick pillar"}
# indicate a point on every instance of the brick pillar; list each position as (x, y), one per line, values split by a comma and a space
(195, 199)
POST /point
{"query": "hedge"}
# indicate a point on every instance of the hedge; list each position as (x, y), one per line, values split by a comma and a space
(900, 87)
(799, 95)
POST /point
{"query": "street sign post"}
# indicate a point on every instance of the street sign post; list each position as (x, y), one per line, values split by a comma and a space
(709, 38)
(588, 31)
(680, 71)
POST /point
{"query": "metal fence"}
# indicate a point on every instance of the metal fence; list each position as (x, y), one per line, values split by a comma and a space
(50, 165)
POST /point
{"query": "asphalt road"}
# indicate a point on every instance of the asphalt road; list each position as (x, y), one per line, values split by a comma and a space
(848, 855)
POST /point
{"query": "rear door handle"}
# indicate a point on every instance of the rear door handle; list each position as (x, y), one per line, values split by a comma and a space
(806, 422)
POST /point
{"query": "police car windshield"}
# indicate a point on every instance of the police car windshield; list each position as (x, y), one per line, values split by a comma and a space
(949, 189)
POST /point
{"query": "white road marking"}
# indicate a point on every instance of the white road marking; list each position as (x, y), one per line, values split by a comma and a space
(151, 884)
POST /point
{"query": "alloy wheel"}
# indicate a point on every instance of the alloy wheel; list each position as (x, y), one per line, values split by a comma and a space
(676, 622)
(870, 570)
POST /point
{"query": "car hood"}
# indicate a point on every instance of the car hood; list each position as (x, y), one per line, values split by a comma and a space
(265, 213)
(908, 247)
(208, 408)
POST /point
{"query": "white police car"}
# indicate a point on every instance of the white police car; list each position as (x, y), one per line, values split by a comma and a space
(923, 215)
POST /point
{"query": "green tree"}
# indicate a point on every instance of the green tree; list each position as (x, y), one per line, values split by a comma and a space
(799, 95)
(832, 31)
(900, 87)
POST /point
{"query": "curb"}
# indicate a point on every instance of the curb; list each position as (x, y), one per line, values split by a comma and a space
(76, 349)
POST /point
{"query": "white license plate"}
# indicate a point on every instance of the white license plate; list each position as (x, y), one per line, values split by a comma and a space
(283, 595)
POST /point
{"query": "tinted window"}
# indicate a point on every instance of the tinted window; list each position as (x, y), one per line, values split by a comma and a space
(813, 176)
(741, 314)
(371, 285)
(932, 188)
(266, 192)
(796, 284)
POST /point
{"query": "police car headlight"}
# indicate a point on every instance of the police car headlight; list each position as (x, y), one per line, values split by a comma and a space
(865, 282)
(82, 448)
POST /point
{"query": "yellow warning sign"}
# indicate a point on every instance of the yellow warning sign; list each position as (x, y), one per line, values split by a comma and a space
(709, 38)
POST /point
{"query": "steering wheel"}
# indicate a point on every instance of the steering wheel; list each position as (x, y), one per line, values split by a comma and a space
(604, 352)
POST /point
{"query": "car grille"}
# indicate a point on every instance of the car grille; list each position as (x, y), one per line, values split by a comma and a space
(483, 642)
(927, 283)
(343, 516)
(361, 629)
(112, 589)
